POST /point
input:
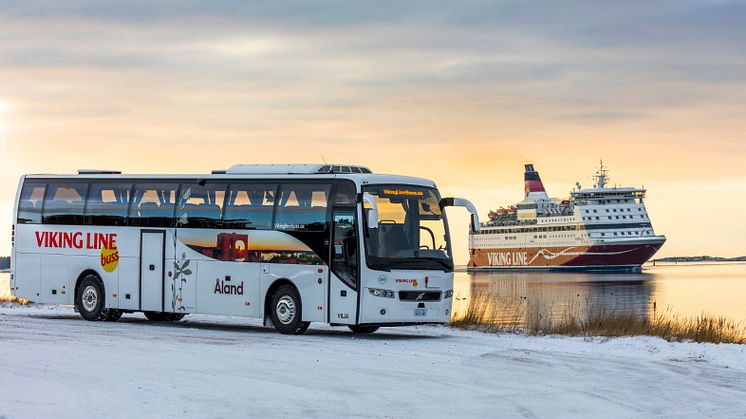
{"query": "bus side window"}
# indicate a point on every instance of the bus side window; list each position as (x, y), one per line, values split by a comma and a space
(107, 204)
(29, 207)
(249, 206)
(64, 202)
(200, 206)
(302, 207)
(153, 205)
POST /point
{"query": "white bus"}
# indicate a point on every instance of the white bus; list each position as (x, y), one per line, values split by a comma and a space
(291, 244)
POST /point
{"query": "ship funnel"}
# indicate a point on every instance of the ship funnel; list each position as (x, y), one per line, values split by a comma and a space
(533, 186)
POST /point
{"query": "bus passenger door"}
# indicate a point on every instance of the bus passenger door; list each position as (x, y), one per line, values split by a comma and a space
(345, 270)
(152, 247)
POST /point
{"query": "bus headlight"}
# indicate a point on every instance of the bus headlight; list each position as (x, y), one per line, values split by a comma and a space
(448, 294)
(377, 292)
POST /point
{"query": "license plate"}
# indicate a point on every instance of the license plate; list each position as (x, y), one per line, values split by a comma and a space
(420, 312)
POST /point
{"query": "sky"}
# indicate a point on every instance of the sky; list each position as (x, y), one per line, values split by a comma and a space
(463, 93)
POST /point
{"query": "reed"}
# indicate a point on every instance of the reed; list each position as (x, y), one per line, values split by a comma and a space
(488, 313)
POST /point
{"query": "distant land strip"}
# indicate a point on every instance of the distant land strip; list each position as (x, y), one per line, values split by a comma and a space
(700, 259)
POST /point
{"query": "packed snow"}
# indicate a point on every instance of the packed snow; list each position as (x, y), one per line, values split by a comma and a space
(54, 364)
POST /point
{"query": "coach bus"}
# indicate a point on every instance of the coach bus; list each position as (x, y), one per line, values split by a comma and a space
(291, 244)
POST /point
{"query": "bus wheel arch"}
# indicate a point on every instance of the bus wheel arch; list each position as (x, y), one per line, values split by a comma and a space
(284, 306)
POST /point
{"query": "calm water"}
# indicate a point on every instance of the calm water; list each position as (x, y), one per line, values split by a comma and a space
(689, 290)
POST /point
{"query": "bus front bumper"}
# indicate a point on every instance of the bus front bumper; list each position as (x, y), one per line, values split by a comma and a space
(378, 310)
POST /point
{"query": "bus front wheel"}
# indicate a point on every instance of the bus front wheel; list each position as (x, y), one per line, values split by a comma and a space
(157, 316)
(287, 311)
(362, 329)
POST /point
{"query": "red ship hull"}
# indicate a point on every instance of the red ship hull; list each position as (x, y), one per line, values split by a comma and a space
(592, 257)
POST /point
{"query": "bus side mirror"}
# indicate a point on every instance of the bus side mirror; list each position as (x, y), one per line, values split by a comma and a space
(461, 202)
(371, 207)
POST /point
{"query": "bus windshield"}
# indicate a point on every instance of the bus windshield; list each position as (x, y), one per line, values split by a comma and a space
(412, 231)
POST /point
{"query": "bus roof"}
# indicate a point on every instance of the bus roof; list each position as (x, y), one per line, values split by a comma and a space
(361, 176)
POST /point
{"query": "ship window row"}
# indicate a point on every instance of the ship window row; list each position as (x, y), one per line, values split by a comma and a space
(612, 210)
(585, 199)
(197, 204)
(630, 233)
(617, 217)
(530, 230)
(565, 228)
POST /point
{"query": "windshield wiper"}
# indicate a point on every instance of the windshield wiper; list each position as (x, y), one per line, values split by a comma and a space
(443, 262)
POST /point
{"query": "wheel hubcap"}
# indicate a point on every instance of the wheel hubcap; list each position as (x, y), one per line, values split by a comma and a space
(285, 310)
(89, 298)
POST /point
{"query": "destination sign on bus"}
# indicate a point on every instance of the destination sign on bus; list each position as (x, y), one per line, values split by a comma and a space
(402, 192)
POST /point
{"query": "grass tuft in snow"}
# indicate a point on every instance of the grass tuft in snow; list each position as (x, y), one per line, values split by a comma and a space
(491, 314)
(13, 299)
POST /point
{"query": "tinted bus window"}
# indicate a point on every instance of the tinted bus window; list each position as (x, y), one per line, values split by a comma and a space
(108, 203)
(249, 206)
(153, 205)
(200, 206)
(64, 202)
(29, 207)
(302, 207)
(345, 194)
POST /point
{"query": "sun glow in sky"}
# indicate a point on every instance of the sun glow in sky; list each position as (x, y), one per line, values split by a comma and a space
(462, 93)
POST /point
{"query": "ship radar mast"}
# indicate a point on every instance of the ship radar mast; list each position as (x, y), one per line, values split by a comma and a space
(601, 176)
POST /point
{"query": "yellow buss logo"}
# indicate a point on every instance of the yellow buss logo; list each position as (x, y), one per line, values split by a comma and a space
(110, 257)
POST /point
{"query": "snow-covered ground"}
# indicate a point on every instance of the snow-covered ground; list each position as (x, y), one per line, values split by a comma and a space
(54, 364)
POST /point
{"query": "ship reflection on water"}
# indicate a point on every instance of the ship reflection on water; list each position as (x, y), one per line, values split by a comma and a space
(684, 290)
(558, 294)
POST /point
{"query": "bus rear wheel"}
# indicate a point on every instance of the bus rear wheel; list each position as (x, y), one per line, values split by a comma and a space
(287, 311)
(113, 315)
(90, 299)
(158, 316)
(362, 329)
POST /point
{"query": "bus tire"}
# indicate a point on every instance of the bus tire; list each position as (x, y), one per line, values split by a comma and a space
(90, 299)
(287, 311)
(113, 315)
(358, 329)
(159, 316)
(175, 317)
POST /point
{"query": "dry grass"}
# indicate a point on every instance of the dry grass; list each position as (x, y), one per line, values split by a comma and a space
(490, 314)
(13, 299)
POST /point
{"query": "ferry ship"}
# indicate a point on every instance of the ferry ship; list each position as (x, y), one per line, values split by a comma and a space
(598, 228)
